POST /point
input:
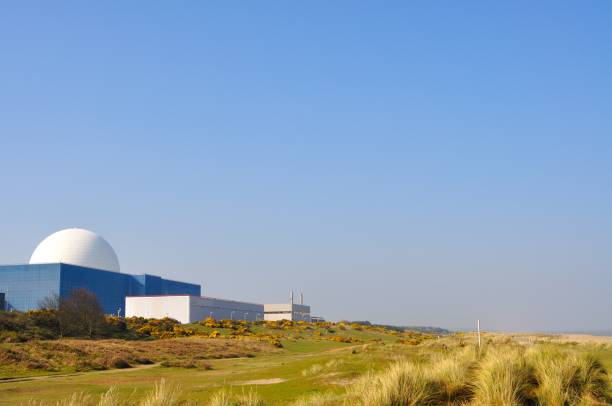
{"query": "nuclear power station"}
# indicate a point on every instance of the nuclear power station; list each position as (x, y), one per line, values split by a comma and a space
(76, 258)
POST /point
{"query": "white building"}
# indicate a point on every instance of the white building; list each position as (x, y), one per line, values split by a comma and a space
(190, 309)
(287, 311)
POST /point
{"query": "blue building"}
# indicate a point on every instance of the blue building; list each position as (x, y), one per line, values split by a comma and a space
(76, 258)
(25, 286)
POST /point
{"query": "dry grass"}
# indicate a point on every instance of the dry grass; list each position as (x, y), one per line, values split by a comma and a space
(441, 378)
(83, 355)
(316, 369)
(163, 394)
(403, 384)
(319, 399)
(503, 375)
(453, 373)
(566, 377)
(504, 378)
(450, 373)
(227, 398)
(312, 370)
(110, 397)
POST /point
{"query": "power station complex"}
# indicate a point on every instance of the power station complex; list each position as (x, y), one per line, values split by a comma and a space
(76, 258)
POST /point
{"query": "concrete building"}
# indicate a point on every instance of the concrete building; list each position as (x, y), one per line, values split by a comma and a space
(76, 258)
(287, 311)
(190, 309)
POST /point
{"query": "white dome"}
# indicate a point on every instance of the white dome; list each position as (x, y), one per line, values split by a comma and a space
(76, 246)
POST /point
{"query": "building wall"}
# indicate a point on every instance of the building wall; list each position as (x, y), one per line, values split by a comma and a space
(286, 311)
(278, 316)
(109, 287)
(25, 286)
(158, 307)
(220, 309)
(190, 309)
(150, 285)
(169, 287)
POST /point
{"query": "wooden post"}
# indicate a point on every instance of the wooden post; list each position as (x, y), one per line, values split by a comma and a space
(478, 326)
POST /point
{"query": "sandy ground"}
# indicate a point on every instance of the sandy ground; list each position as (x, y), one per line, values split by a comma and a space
(560, 338)
(269, 381)
(583, 338)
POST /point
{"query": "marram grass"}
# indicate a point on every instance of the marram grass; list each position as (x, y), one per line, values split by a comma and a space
(505, 375)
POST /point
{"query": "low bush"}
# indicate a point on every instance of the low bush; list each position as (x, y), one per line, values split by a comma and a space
(119, 363)
(187, 363)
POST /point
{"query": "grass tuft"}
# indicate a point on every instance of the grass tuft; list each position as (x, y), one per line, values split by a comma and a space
(110, 397)
(403, 384)
(163, 394)
(504, 378)
(227, 398)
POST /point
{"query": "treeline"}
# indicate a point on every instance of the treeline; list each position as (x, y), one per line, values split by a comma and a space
(417, 329)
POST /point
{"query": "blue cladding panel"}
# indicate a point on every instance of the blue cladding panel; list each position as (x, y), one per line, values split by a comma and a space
(25, 286)
(110, 287)
(138, 285)
(153, 285)
(169, 287)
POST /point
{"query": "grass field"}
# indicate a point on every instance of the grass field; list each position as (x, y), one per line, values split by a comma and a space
(310, 365)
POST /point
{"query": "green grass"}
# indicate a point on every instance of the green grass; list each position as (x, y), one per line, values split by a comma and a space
(305, 346)
(306, 365)
(300, 353)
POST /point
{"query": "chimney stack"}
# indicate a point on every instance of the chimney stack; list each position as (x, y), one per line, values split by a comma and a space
(291, 297)
(301, 298)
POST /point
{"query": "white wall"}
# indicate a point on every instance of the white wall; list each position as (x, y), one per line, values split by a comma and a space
(190, 309)
(158, 307)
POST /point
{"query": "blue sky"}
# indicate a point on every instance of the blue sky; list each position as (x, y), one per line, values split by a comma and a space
(404, 163)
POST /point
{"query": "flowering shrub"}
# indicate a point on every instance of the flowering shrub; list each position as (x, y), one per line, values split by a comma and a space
(158, 328)
(341, 339)
(210, 322)
(116, 324)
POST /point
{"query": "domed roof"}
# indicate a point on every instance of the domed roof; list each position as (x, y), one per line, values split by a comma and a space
(76, 246)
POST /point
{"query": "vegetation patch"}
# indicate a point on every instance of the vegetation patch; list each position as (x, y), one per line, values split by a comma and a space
(87, 355)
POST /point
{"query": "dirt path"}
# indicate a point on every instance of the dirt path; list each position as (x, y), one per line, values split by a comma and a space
(106, 371)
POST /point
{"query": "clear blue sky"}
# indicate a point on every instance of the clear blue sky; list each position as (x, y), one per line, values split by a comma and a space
(410, 163)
